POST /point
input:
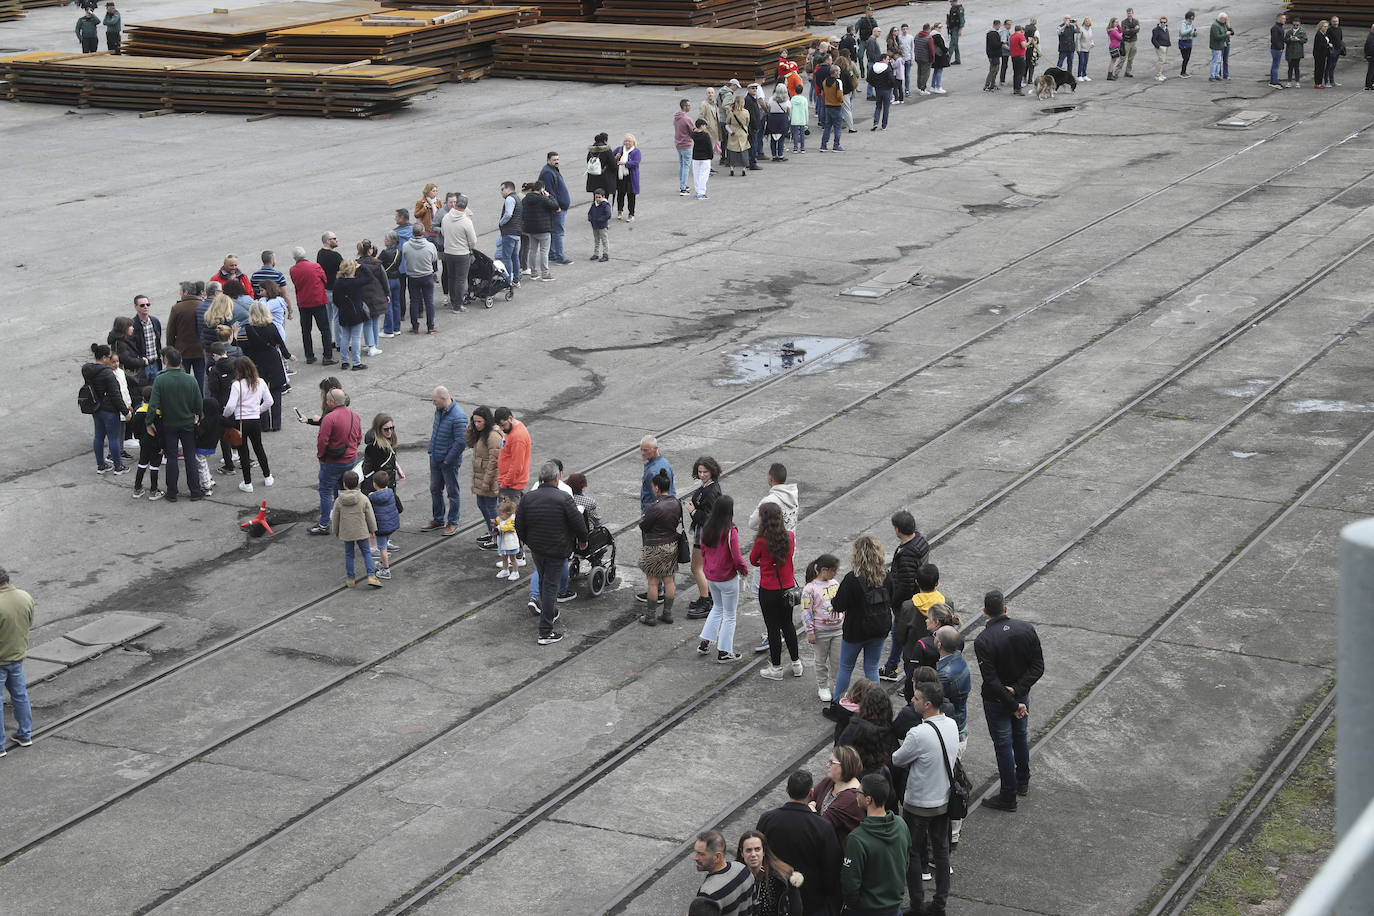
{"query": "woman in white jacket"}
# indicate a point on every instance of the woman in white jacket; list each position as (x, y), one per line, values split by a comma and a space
(1085, 44)
(249, 399)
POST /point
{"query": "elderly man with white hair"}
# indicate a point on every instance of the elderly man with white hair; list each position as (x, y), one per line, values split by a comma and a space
(312, 298)
(446, 444)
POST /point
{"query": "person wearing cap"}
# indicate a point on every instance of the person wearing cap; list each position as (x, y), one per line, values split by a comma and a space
(86, 32)
(16, 619)
(113, 26)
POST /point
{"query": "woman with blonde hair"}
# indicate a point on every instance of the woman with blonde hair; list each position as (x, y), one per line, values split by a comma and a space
(221, 312)
(863, 599)
(737, 131)
(627, 160)
(348, 301)
(266, 348)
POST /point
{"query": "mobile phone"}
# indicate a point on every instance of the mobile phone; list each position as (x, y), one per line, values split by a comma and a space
(298, 413)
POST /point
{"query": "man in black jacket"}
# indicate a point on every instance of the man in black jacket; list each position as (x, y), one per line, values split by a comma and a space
(993, 39)
(806, 841)
(910, 555)
(548, 523)
(148, 337)
(1010, 662)
(1276, 49)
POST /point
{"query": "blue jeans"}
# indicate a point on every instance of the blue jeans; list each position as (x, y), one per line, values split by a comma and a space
(534, 584)
(348, 556)
(421, 294)
(849, 654)
(1010, 742)
(150, 373)
(331, 311)
(371, 327)
(558, 227)
(1215, 71)
(394, 316)
(507, 252)
(195, 365)
(108, 430)
(351, 338)
(755, 148)
(12, 679)
(720, 623)
(549, 569)
(894, 655)
(684, 168)
(1082, 64)
(798, 137)
(1065, 60)
(1275, 58)
(936, 77)
(882, 104)
(834, 119)
(185, 438)
(487, 506)
(331, 474)
(443, 477)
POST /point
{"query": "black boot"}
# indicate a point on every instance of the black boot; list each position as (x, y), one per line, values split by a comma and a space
(649, 617)
(666, 615)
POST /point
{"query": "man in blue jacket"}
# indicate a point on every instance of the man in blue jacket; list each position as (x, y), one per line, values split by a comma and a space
(558, 190)
(446, 443)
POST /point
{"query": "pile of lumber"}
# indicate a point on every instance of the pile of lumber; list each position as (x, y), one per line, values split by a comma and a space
(165, 84)
(612, 52)
(716, 14)
(35, 4)
(458, 42)
(1356, 16)
(549, 10)
(832, 11)
(10, 10)
(232, 33)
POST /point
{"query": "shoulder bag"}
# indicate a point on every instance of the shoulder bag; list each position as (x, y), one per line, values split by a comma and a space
(958, 795)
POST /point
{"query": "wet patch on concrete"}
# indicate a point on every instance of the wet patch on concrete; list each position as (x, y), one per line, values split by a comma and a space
(1323, 405)
(781, 354)
(1248, 389)
(1059, 109)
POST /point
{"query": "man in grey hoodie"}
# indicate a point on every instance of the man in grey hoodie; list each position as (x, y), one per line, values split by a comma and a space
(421, 266)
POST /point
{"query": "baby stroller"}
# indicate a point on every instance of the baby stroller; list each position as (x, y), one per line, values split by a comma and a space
(486, 279)
(600, 557)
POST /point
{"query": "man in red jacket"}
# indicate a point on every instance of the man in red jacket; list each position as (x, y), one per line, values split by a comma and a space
(336, 447)
(1018, 59)
(311, 298)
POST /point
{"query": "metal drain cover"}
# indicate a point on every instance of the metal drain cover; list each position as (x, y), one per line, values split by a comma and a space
(1241, 120)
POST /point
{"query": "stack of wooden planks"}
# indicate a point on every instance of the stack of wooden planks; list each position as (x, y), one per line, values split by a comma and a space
(833, 11)
(717, 14)
(1356, 16)
(232, 33)
(610, 52)
(10, 10)
(230, 86)
(458, 42)
(549, 10)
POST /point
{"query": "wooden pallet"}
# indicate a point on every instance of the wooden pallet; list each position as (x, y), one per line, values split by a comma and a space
(613, 52)
(720, 14)
(458, 42)
(1356, 18)
(232, 33)
(549, 10)
(230, 86)
(11, 10)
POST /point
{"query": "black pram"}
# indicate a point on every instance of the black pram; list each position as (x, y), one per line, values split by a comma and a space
(600, 556)
(487, 279)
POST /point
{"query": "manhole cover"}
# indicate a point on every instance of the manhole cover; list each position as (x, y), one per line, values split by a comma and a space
(1057, 109)
(1240, 120)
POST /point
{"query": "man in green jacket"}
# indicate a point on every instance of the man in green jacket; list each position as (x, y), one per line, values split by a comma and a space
(16, 619)
(173, 411)
(1216, 42)
(873, 872)
(88, 32)
(114, 25)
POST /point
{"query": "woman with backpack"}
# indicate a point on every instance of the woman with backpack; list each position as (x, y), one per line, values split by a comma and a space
(601, 169)
(863, 599)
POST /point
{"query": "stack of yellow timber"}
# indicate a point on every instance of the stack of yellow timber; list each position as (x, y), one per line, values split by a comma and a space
(459, 42)
(718, 14)
(10, 9)
(1355, 15)
(232, 33)
(549, 10)
(609, 52)
(234, 86)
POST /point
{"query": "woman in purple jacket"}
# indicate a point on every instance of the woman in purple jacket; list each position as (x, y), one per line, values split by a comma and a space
(627, 176)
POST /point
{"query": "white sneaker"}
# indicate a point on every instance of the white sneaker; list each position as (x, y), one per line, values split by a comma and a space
(797, 668)
(503, 573)
(1085, 79)
(374, 351)
(269, 480)
(938, 91)
(1159, 79)
(246, 487)
(514, 575)
(824, 694)
(772, 673)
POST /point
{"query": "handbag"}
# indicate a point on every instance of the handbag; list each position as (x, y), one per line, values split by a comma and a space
(957, 807)
(684, 547)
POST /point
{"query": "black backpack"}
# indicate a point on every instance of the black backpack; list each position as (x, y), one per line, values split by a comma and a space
(86, 399)
(877, 615)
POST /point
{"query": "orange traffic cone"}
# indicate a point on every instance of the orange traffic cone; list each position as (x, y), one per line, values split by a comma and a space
(258, 526)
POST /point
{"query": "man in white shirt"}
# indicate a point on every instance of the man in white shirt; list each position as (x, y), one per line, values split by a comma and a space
(926, 805)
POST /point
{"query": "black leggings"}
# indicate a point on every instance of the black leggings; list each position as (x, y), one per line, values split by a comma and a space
(1294, 69)
(622, 191)
(1186, 54)
(252, 432)
(777, 619)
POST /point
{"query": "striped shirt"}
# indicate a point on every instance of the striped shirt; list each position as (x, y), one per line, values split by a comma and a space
(732, 888)
(267, 273)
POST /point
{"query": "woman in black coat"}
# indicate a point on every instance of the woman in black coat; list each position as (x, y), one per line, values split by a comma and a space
(266, 349)
(353, 314)
(131, 362)
(600, 150)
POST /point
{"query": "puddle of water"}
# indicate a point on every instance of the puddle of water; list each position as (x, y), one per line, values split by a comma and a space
(1321, 405)
(1021, 397)
(1058, 109)
(1249, 389)
(780, 354)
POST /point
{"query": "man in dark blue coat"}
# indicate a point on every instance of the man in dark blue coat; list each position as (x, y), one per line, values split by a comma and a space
(446, 444)
(558, 190)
